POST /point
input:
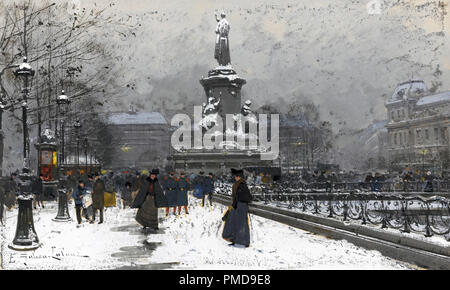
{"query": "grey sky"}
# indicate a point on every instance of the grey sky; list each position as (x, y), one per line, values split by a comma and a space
(329, 51)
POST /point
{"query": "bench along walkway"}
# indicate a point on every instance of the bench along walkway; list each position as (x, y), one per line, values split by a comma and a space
(395, 245)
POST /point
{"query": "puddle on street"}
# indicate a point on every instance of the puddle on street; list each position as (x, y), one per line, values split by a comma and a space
(126, 228)
(134, 229)
(141, 251)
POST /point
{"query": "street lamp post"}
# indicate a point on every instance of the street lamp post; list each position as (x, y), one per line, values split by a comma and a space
(2, 107)
(26, 237)
(63, 106)
(77, 127)
(63, 207)
(85, 144)
(25, 72)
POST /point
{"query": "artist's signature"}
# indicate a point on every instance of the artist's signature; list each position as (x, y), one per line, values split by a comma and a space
(56, 254)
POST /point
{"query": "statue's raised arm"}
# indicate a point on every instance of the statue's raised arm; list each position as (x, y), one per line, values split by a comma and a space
(222, 48)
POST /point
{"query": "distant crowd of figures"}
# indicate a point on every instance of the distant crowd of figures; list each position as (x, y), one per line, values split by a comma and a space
(342, 181)
(127, 183)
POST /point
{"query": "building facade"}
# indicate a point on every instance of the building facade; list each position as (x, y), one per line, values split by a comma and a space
(418, 129)
(140, 140)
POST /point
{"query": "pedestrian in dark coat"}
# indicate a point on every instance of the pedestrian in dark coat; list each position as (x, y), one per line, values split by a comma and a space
(208, 185)
(428, 182)
(37, 191)
(236, 229)
(149, 198)
(199, 185)
(182, 195)
(98, 198)
(377, 182)
(126, 195)
(77, 195)
(369, 181)
(170, 189)
(333, 180)
(89, 185)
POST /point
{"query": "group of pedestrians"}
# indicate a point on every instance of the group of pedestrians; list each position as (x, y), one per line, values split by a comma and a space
(171, 193)
(147, 194)
(89, 199)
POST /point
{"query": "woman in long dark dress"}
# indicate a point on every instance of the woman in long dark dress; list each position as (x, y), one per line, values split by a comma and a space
(236, 229)
(148, 200)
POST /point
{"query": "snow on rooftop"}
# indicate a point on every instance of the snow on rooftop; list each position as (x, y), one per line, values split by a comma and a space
(411, 88)
(134, 118)
(434, 99)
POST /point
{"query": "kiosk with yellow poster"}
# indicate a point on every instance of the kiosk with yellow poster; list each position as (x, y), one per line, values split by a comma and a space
(48, 164)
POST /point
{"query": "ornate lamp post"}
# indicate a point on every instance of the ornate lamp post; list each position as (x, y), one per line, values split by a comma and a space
(25, 72)
(63, 208)
(63, 107)
(26, 237)
(77, 127)
(2, 107)
(85, 145)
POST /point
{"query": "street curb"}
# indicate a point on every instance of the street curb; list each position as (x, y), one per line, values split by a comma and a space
(400, 248)
(363, 230)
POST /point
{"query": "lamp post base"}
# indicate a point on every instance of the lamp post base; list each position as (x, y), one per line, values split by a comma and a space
(31, 247)
(62, 220)
(63, 208)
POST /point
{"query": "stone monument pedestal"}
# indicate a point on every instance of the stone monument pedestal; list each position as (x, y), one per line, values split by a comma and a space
(225, 84)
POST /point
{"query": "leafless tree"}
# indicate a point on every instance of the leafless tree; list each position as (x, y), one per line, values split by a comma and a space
(62, 46)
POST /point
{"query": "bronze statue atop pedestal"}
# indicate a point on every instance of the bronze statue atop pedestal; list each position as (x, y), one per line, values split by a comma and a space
(222, 48)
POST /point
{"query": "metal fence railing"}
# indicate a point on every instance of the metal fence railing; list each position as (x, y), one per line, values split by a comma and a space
(408, 211)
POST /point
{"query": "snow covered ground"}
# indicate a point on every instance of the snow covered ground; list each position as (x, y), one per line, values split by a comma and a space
(186, 242)
(440, 240)
(64, 246)
(195, 242)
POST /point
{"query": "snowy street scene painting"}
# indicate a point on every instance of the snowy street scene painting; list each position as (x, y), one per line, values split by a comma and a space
(224, 140)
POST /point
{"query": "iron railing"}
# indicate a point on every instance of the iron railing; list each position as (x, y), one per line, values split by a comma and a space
(419, 212)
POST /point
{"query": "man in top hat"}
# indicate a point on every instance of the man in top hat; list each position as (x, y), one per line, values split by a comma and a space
(170, 188)
(208, 189)
(98, 198)
(89, 185)
(236, 229)
(182, 196)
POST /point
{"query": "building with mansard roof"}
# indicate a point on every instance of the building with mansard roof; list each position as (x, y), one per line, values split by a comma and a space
(418, 128)
(140, 140)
